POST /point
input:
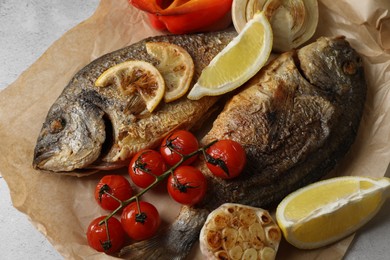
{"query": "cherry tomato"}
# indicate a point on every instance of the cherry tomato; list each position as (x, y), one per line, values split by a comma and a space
(143, 224)
(226, 159)
(187, 185)
(117, 186)
(179, 142)
(97, 235)
(145, 166)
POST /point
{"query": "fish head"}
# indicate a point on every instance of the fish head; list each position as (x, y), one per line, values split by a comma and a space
(72, 136)
(332, 65)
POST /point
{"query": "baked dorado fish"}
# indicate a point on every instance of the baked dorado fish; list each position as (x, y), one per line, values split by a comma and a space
(101, 128)
(296, 119)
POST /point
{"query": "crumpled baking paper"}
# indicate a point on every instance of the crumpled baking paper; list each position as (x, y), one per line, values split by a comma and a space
(61, 207)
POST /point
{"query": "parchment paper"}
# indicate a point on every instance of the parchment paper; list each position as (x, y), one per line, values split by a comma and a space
(61, 207)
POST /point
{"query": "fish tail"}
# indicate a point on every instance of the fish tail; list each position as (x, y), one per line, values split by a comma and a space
(174, 242)
(147, 249)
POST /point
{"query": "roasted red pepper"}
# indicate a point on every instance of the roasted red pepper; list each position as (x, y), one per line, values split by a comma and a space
(186, 16)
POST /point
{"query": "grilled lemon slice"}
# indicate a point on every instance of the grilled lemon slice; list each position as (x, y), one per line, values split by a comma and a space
(175, 65)
(135, 78)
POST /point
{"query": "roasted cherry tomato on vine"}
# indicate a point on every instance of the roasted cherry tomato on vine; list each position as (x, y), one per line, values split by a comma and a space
(187, 185)
(178, 16)
(145, 166)
(179, 142)
(97, 235)
(140, 223)
(112, 185)
(226, 159)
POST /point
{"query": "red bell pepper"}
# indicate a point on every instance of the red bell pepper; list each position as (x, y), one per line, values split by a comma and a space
(185, 16)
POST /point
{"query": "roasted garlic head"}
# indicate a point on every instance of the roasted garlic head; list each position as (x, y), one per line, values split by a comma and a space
(235, 231)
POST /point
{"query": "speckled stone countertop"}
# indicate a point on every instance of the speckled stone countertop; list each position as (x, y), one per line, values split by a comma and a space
(27, 29)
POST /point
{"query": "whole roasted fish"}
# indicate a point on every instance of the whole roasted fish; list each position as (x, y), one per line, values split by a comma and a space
(91, 127)
(296, 119)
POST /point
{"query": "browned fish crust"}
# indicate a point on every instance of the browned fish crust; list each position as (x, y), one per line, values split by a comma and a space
(296, 118)
(91, 127)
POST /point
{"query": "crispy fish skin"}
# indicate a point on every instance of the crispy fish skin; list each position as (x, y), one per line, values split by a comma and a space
(100, 128)
(296, 119)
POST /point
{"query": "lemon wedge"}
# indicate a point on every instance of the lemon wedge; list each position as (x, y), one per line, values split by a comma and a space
(326, 211)
(240, 60)
(135, 77)
(175, 65)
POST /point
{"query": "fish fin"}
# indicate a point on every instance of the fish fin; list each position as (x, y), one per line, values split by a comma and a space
(172, 243)
(153, 248)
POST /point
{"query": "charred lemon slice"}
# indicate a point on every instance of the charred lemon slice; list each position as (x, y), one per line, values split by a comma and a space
(235, 231)
(176, 67)
(135, 78)
(241, 59)
(326, 211)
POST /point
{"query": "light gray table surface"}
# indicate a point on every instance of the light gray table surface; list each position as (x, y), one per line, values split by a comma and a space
(27, 29)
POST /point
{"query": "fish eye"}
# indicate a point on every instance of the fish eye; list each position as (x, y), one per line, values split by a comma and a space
(57, 125)
(350, 67)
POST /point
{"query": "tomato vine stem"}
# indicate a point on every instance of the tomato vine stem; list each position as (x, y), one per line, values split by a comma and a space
(158, 179)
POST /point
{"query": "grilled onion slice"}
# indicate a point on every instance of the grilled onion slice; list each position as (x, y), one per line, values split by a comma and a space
(293, 22)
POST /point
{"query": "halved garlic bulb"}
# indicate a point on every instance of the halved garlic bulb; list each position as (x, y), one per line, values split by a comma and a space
(235, 231)
(293, 21)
